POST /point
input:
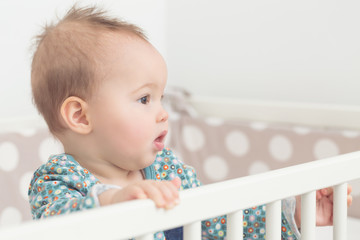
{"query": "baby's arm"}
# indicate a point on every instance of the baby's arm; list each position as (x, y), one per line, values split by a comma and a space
(60, 187)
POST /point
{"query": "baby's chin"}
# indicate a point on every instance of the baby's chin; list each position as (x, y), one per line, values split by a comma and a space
(148, 161)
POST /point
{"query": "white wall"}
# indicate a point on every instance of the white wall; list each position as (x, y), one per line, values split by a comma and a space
(280, 50)
(21, 20)
(306, 51)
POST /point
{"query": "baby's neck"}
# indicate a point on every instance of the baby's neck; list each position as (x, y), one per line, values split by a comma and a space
(105, 171)
(110, 174)
(131, 177)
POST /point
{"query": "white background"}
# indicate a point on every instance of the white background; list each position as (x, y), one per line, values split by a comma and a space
(21, 20)
(307, 51)
(304, 51)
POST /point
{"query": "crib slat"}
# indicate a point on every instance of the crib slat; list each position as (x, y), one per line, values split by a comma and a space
(308, 215)
(192, 231)
(340, 211)
(146, 237)
(235, 225)
(273, 220)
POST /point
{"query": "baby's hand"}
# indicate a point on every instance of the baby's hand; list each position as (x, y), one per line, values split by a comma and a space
(324, 206)
(165, 194)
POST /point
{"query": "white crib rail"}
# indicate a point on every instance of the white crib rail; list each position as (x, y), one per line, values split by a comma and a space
(141, 218)
(309, 114)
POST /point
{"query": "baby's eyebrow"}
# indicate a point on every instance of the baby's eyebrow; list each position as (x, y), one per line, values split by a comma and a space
(146, 85)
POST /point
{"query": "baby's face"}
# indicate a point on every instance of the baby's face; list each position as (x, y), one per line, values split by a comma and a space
(126, 112)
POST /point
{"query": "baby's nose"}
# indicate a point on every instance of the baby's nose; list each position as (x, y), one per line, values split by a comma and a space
(163, 116)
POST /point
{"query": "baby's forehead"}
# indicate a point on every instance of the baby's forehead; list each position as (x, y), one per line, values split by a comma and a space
(116, 46)
(127, 57)
(122, 40)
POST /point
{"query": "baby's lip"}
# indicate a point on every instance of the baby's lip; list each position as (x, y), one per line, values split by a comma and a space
(161, 137)
(159, 141)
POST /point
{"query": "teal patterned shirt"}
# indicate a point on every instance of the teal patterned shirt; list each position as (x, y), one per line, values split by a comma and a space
(62, 186)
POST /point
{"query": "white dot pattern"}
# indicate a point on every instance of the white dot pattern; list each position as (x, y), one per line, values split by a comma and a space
(301, 130)
(9, 156)
(350, 134)
(325, 148)
(241, 148)
(237, 143)
(216, 168)
(259, 126)
(193, 138)
(10, 216)
(48, 147)
(280, 148)
(212, 121)
(19, 157)
(258, 167)
(29, 132)
(24, 184)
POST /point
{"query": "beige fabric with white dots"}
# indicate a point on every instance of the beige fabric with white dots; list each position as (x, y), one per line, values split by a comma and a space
(218, 150)
(21, 153)
(221, 150)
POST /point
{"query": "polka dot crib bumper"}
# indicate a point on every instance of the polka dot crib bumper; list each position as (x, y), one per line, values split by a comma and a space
(22, 151)
(221, 150)
(218, 149)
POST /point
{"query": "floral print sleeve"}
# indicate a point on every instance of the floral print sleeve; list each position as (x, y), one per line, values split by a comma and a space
(60, 186)
(168, 167)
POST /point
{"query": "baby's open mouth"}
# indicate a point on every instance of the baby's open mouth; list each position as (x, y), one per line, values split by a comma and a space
(159, 141)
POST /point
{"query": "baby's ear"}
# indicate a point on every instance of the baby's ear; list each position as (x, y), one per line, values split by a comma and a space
(74, 112)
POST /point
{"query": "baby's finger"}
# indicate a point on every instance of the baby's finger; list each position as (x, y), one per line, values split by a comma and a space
(170, 194)
(349, 200)
(327, 191)
(318, 194)
(177, 182)
(154, 193)
(129, 193)
(349, 189)
(136, 192)
(349, 197)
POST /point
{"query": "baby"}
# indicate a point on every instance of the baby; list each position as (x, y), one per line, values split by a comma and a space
(99, 83)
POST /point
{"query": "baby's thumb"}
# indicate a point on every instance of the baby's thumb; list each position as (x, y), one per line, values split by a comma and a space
(177, 182)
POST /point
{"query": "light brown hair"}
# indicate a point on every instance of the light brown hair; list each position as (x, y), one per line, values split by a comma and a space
(66, 56)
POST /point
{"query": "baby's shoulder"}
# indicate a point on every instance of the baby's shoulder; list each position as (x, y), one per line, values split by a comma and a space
(61, 165)
(58, 161)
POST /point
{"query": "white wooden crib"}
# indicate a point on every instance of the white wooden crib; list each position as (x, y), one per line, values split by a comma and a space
(142, 218)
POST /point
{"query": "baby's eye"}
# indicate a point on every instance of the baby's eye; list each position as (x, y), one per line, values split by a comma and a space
(144, 100)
